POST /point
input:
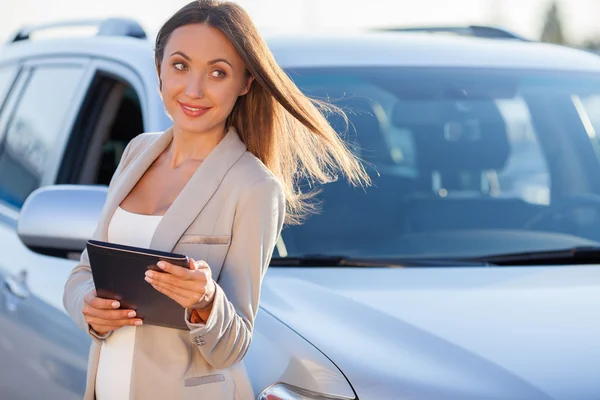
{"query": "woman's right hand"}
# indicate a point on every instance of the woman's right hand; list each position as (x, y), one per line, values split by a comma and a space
(103, 315)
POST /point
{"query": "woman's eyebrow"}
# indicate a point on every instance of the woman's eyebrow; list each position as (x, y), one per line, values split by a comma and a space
(220, 60)
(188, 58)
(182, 54)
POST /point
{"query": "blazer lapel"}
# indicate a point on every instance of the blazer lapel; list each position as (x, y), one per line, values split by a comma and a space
(197, 192)
(130, 177)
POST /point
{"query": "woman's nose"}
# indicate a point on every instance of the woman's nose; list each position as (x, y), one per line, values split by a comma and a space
(195, 88)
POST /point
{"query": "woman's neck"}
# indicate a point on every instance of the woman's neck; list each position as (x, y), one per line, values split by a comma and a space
(188, 146)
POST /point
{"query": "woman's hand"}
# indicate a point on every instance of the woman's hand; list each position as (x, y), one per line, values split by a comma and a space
(102, 314)
(192, 288)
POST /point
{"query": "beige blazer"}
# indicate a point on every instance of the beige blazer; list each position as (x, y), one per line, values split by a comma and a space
(230, 214)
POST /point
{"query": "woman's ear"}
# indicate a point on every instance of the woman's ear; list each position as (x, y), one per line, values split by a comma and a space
(247, 86)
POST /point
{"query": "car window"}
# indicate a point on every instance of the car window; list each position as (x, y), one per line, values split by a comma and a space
(33, 128)
(464, 162)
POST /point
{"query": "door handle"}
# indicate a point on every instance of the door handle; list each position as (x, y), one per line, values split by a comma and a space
(16, 289)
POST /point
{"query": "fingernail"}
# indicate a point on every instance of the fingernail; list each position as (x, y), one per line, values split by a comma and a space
(131, 314)
(149, 273)
(161, 265)
(115, 304)
(138, 323)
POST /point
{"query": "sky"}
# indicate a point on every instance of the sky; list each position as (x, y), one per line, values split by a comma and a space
(580, 17)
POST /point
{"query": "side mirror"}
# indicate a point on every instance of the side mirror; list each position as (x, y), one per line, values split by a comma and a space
(60, 219)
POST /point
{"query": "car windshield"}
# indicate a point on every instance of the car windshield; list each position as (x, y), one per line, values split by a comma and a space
(465, 162)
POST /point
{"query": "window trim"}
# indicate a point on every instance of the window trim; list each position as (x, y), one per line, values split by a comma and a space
(90, 129)
(16, 72)
(132, 78)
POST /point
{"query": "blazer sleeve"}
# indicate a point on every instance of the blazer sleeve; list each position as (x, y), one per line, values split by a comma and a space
(80, 281)
(226, 335)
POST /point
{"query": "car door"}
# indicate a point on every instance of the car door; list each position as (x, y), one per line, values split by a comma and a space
(67, 127)
(42, 353)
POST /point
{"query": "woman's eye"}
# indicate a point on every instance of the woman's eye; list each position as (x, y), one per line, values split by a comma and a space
(218, 74)
(180, 66)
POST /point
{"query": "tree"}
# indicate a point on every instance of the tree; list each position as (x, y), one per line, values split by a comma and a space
(553, 30)
(591, 44)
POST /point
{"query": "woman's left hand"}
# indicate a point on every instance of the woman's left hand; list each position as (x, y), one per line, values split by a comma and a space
(191, 288)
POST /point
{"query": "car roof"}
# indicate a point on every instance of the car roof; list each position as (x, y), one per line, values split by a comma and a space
(426, 50)
(343, 50)
(127, 50)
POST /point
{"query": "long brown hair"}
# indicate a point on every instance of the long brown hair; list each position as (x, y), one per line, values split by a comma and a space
(281, 126)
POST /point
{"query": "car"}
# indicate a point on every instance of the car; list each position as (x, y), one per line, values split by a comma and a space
(469, 269)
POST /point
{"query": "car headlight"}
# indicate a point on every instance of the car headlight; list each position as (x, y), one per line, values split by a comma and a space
(281, 391)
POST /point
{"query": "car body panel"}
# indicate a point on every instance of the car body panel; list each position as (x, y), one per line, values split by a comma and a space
(40, 340)
(448, 332)
(278, 354)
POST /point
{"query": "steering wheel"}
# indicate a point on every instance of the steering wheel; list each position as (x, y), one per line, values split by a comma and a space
(561, 207)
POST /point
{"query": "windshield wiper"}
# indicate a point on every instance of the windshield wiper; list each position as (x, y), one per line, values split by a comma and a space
(326, 260)
(579, 255)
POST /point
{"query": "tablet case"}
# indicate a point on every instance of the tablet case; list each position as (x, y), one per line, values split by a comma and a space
(119, 271)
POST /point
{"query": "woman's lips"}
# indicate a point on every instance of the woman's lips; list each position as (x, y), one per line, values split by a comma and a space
(193, 111)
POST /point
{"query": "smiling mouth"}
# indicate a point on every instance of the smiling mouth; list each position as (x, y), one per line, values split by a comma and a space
(193, 112)
(194, 109)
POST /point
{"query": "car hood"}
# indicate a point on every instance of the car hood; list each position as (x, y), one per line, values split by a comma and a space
(449, 333)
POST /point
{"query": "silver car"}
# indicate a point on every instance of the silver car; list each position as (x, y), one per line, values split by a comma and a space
(469, 270)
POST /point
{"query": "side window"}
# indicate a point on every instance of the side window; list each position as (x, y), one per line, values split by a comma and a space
(111, 115)
(33, 128)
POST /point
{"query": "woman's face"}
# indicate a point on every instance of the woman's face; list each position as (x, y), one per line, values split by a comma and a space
(202, 76)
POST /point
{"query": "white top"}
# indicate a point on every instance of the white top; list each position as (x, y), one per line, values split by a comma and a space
(116, 355)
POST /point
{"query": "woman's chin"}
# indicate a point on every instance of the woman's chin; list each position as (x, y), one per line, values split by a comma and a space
(196, 128)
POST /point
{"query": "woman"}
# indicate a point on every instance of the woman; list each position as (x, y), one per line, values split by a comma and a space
(216, 187)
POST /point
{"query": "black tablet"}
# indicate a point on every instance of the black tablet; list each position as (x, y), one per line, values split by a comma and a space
(119, 273)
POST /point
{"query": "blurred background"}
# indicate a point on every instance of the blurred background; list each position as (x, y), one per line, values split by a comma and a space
(573, 22)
